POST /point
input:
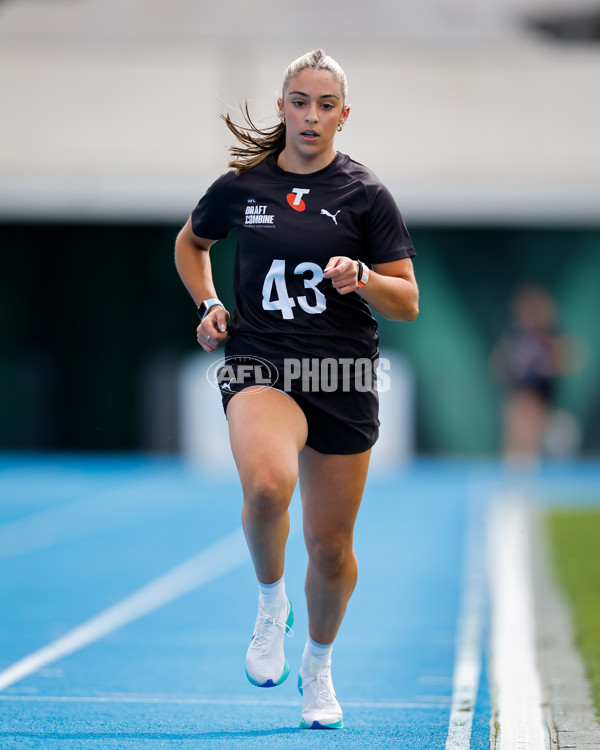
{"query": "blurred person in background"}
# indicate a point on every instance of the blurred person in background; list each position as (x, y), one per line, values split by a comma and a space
(529, 357)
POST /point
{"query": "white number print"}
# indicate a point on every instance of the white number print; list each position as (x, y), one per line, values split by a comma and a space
(311, 283)
(276, 277)
(281, 300)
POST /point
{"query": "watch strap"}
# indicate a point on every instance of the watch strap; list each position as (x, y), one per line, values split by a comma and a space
(362, 275)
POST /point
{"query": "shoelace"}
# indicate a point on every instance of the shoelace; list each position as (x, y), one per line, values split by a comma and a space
(263, 631)
(324, 692)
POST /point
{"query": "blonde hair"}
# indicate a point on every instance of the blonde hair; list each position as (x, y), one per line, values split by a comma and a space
(255, 143)
(316, 60)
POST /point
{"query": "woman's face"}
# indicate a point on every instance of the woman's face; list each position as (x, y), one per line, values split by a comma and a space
(313, 107)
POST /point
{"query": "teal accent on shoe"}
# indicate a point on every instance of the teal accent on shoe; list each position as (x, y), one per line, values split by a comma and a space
(316, 725)
(270, 683)
(286, 667)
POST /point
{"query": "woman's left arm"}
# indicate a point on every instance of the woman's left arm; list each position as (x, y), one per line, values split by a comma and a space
(392, 289)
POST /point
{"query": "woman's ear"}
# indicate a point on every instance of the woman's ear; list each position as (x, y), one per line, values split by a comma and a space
(344, 115)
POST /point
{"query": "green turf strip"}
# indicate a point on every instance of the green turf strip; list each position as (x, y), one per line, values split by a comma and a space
(575, 541)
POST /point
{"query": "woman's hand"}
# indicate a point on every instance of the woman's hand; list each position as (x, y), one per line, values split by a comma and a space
(212, 331)
(343, 273)
(392, 289)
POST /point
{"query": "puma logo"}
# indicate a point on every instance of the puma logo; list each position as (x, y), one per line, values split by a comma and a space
(331, 216)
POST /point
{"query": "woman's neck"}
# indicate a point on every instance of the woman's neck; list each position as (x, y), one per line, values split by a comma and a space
(290, 162)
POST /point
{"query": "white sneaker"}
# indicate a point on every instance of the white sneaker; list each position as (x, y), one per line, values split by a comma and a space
(320, 707)
(266, 665)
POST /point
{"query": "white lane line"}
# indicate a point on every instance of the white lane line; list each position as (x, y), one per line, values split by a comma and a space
(200, 701)
(467, 665)
(223, 556)
(516, 683)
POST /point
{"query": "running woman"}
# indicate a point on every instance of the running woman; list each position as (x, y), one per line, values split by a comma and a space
(320, 242)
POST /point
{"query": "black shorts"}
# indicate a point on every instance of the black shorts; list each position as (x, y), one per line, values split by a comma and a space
(342, 418)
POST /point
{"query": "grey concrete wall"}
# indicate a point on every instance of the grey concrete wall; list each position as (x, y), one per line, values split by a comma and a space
(110, 108)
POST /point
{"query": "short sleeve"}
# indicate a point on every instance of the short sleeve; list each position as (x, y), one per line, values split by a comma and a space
(210, 218)
(387, 237)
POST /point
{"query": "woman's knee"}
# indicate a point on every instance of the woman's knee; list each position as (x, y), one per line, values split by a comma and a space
(267, 492)
(330, 555)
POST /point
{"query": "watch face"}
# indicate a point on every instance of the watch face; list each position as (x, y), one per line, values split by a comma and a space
(202, 310)
(205, 306)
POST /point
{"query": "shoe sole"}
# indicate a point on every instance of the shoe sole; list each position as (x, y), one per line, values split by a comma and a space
(286, 667)
(317, 724)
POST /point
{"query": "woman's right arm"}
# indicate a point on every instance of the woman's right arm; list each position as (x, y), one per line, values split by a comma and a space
(192, 260)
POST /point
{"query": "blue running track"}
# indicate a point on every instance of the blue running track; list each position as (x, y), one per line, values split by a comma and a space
(79, 535)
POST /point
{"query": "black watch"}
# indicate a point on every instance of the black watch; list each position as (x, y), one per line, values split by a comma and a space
(206, 304)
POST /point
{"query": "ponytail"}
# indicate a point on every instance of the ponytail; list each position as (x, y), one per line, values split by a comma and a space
(254, 143)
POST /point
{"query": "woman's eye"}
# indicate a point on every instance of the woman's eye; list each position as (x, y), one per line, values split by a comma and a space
(298, 103)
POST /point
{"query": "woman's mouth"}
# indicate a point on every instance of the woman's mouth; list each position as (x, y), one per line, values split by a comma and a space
(309, 135)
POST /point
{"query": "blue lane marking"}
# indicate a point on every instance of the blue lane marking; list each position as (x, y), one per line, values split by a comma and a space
(176, 677)
(396, 643)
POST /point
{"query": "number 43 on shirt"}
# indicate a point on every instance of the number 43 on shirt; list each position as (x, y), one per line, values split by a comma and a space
(279, 299)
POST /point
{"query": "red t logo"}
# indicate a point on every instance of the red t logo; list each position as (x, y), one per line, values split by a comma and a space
(295, 198)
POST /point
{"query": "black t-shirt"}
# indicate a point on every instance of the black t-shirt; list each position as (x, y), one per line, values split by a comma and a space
(289, 226)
